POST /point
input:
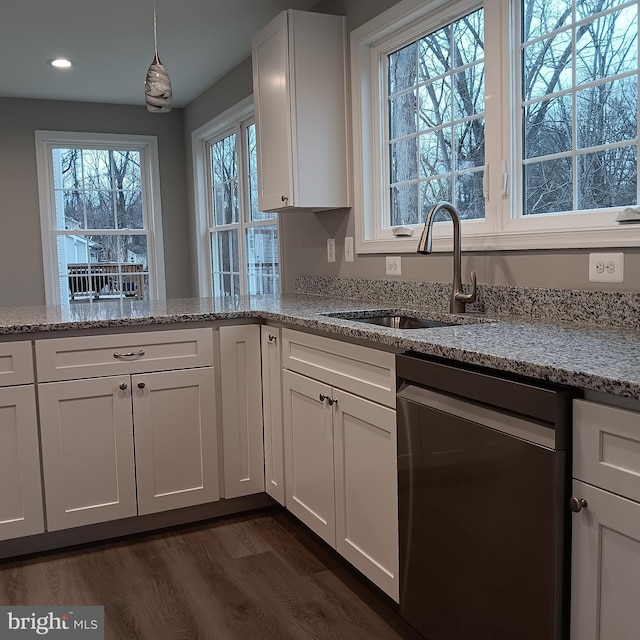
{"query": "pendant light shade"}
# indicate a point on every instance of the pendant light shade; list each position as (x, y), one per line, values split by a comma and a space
(157, 86)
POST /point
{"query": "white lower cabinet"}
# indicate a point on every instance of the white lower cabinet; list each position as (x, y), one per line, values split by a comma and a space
(176, 439)
(308, 425)
(366, 472)
(241, 400)
(88, 431)
(341, 453)
(272, 413)
(605, 566)
(20, 485)
(605, 579)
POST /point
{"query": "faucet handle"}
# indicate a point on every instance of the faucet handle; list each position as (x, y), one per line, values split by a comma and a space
(468, 298)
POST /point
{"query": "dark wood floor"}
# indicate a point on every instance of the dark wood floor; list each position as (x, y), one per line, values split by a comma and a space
(260, 575)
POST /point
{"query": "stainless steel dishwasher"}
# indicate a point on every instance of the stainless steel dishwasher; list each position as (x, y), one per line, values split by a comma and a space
(483, 481)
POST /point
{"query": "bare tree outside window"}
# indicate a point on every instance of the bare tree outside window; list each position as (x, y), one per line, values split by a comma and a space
(436, 122)
(580, 93)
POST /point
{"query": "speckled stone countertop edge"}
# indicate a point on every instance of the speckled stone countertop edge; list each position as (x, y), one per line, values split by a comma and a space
(584, 357)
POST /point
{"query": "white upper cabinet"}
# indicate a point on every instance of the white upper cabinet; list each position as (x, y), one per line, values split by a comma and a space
(300, 105)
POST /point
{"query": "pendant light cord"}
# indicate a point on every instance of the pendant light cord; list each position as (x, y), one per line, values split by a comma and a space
(155, 36)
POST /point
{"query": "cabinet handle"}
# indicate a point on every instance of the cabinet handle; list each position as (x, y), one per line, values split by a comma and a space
(577, 504)
(141, 385)
(284, 198)
(329, 399)
(123, 386)
(272, 337)
(131, 354)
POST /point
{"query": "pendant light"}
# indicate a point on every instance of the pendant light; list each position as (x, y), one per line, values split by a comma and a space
(157, 86)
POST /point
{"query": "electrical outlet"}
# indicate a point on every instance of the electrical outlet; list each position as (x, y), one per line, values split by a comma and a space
(394, 267)
(606, 267)
(331, 249)
(348, 249)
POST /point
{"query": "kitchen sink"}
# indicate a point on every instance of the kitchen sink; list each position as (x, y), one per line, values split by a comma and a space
(404, 322)
(393, 320)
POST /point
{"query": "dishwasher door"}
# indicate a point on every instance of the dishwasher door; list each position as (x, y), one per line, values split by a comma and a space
(482, 520)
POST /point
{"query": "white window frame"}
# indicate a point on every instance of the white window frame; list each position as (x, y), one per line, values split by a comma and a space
(147, 146)
(504, 228)
(226, 123)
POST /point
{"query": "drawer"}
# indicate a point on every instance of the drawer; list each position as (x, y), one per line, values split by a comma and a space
(16, 363)
(367, 372)
(606, 448)
(104, 355)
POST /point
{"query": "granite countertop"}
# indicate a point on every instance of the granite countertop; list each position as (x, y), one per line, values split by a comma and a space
(584, 356)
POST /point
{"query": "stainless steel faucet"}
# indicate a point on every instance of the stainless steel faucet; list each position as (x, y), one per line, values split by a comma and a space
(458, 299)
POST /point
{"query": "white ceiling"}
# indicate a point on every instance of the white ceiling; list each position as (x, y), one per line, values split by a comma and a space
(111, 43)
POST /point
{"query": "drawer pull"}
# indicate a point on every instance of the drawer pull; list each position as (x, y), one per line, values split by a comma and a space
(271, 337)
(131, 354)
(141, 385)
(123, 386)
(577, 504)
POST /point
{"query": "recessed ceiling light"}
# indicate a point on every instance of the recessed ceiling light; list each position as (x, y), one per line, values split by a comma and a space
(60, 63)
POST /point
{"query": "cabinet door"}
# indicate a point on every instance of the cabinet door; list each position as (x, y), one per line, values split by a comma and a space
(273, 115)
(367, 488)
(605, 574)
(86, 432)
(272, 413)
(20, 484)
(176, 439)
(308, 429)
(241, 384)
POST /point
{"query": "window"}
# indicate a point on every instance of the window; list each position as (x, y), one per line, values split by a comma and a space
(100, 217)
(238, 247)
(523, 113)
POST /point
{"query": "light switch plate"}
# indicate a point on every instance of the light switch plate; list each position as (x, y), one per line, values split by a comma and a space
(348, 249)
(331, 249)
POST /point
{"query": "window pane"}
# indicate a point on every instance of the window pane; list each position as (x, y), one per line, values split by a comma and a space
(540, 17)
(435, 104)
(403, 68)
(469, 140)
(262, 260)
(404, 204)
(469, 92)
(548, 186)
(607, 46)
(435, 152)
(103, 267)
(404, 160)
(468, 38)
(603, 114)
(470, 195)
(433, 191)
(224, 173)
(607, 113)
(449, 118)
(547, 66)
(402, 115)
(608, 178)
(252, 156)
(226, 262)
(435, 54)
(547, 127)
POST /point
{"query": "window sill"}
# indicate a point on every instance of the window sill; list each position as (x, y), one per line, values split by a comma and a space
(620, 236)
